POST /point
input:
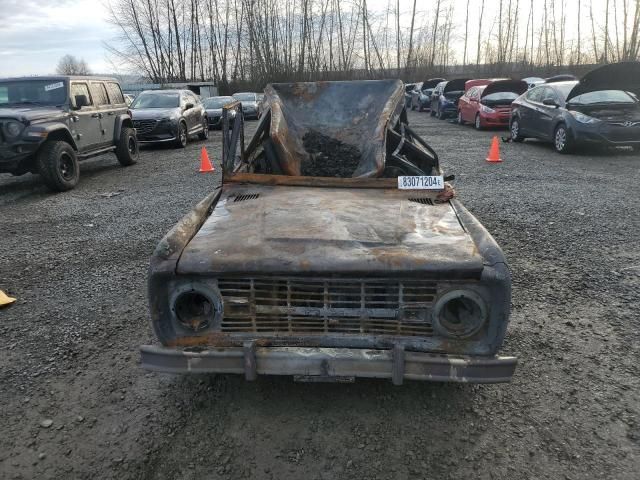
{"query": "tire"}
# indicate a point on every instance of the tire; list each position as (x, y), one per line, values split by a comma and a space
(127, 147)
(477, 123)
(182, 137)
(562, 141)
(460, 120)
(58, 166)
(204, 134)
(514, 128)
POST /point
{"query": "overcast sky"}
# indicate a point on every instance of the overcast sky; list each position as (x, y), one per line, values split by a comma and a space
(34, 34)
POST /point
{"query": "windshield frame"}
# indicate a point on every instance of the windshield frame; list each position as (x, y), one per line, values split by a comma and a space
(61, 84)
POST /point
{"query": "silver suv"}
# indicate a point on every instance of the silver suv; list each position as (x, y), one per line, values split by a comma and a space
(48, 124)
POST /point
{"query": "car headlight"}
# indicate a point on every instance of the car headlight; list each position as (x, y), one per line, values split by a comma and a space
(485, 109)
(459, 313)
(582, 118)
(13, 129)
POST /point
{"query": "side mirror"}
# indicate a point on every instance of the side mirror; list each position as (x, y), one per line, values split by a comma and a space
(188, 106)
(81, 101)
(550, 102)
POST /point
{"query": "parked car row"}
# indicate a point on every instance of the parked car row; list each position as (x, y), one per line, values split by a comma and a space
(172, 116)
(602, 108)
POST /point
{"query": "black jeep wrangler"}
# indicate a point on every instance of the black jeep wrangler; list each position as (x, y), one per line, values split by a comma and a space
(47, 124)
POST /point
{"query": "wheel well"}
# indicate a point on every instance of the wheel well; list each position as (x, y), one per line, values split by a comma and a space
(63, 136)
(127, 123)
(555, 127)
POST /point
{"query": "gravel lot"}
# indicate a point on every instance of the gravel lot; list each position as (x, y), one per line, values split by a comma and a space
(76, 405)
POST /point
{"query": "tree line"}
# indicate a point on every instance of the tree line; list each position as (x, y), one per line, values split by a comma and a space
(257, 41)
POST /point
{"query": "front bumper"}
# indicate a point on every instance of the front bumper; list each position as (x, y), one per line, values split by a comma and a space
(607, 134)
(495, 120)
(449, 109)
(161, 132)
(16, 157)
(328, 363)
(250, 112)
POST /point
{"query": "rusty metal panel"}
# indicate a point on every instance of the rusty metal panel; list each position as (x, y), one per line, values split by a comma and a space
(356, 113)
(302, 230)
(331, 305)
(334, 362)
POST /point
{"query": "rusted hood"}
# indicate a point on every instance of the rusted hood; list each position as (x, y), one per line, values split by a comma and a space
(266, 229)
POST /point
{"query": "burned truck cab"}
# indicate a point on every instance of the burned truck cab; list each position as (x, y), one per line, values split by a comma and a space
(334, 249)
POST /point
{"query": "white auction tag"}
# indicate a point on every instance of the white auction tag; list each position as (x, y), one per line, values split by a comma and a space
(53, 86)
(421, 183)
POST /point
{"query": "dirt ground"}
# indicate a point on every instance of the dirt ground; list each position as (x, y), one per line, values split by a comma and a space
(76, 405)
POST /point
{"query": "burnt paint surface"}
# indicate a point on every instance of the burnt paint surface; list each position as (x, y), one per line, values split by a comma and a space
(333, 230)
(356, 113)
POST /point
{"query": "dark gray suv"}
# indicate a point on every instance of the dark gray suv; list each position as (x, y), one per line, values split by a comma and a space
(48, 124)
(161, 116)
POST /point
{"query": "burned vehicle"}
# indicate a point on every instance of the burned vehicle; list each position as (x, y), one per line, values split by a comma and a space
(335, 248)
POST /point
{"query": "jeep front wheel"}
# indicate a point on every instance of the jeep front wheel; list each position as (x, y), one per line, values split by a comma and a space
(127, 147)
(58, 166)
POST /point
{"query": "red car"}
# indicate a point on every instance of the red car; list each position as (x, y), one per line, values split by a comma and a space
(490, 105)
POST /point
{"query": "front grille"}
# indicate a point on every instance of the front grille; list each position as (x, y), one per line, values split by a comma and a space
(144, 126)
(327, 306)
(623, 134)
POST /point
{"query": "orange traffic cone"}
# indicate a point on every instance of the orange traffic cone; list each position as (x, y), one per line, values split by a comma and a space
(494, 151)
(205, 163)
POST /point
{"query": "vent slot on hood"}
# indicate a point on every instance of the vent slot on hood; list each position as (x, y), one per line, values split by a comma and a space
(423, 201)
(245, 196)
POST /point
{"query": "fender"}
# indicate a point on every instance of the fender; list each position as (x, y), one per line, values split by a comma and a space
(122, 120)
(54, 131)
(557, 120)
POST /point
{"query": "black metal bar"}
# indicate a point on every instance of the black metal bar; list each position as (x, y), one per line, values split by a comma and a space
(397, 368)
(231, 137)
(250, 369)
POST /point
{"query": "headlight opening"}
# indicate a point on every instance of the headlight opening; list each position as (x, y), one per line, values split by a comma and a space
(459, 313)
(194, 310)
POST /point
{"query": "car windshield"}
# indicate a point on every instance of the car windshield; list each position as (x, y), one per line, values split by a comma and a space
(500, 97)
(245, 97)
(217, 102)
(156, 100)
(603, 96)
(33, 92)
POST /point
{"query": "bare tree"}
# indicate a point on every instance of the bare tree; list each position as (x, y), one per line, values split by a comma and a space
(70, 65)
